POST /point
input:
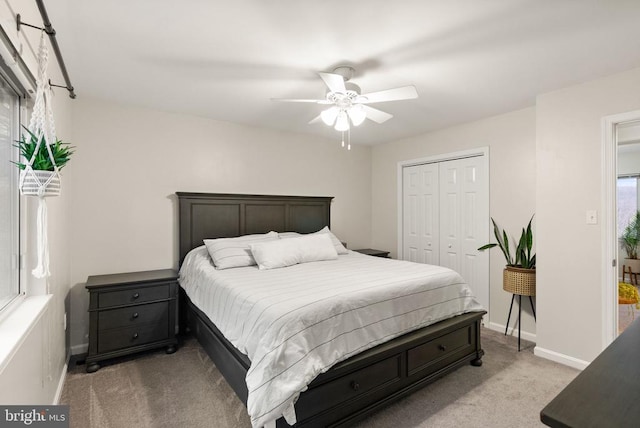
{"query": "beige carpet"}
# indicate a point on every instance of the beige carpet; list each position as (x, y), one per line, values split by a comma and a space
(186, 390)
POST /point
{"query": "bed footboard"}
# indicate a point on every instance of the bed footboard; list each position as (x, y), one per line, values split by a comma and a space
(364, 383)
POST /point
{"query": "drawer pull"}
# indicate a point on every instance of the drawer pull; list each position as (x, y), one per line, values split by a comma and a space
(442, 347)
(355, 385)
(136, 295)
(135, 336)
(135, 315)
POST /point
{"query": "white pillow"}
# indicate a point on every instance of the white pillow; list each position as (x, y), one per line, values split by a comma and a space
(235, 252)
(288, 252)
(336, 242)
(287, 235)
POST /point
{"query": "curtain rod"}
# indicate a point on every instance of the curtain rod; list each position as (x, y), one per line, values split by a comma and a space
(48, 28)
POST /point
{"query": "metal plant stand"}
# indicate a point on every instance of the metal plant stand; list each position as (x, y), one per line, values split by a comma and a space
(519, 315)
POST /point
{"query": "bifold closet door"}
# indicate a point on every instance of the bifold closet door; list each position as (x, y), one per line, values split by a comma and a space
(421, 240)
(446, 218)
(464, 221)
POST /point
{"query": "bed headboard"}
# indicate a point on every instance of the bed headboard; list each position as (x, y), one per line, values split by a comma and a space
(219, 215)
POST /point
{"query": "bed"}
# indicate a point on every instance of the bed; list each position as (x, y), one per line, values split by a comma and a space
(353, 388)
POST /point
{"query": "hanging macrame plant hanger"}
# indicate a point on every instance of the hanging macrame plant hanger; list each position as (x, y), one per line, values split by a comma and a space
(36, 182)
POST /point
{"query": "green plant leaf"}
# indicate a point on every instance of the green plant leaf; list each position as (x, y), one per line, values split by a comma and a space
(61, 152)
(486, 247)
(523, 250)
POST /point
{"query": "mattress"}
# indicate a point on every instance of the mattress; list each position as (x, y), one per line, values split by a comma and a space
(297, 322)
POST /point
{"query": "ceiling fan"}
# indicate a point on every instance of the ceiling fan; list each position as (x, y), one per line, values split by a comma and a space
(347, 104)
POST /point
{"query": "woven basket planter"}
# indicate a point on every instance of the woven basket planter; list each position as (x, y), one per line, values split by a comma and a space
(31, 185)
(519, 281)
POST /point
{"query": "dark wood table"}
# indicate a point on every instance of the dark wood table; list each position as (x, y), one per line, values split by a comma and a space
(374, 252)
(606, 393)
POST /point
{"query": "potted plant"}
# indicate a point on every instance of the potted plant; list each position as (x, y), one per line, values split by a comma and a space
(43, 180)
(630, 239)
(519, 276)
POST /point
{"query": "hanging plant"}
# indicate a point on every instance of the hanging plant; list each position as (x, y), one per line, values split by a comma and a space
(60, 151)
(44, 155)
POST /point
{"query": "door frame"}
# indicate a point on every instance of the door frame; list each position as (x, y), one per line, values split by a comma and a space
(463, 154)
(609, 232)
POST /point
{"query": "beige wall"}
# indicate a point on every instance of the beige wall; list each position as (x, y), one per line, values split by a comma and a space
(41, 357)
(511, 141)
(131, 161)
(569, 175)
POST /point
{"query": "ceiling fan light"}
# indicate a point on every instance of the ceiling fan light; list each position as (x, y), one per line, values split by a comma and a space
(329, 115)
(357, 114)
(342, 123)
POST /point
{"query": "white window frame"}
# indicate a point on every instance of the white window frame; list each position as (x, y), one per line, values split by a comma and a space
(17, 277)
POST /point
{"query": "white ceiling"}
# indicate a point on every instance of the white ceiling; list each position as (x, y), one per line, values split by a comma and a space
(468, 59)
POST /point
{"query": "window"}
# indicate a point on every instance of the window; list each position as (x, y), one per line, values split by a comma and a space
(9, 195)
(627, 201)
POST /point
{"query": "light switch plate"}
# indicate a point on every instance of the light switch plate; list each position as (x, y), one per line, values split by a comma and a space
(592, 217)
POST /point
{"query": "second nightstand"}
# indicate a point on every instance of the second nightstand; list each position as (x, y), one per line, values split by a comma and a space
(372, 252)
(131, 312)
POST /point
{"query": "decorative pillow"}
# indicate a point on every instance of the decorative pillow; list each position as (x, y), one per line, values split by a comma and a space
(336, 242)
(235, 252)
(291, 251)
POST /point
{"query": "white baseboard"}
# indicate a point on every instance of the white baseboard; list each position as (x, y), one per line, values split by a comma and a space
(63, 377)
(560, 358)
(83, 348)
(531, 337)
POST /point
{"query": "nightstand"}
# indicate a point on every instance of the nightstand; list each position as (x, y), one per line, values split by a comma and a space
(375, 253)
(131, 312)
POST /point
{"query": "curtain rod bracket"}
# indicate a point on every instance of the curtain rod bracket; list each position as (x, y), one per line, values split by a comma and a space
(19, 23)
(48, 28)
(70, 89)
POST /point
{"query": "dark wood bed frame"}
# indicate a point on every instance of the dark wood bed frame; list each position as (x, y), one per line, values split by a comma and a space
(354, 388)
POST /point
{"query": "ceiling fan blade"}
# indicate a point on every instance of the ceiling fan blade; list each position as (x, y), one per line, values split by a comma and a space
(316, 119)
(335, 82)
(376, 115)
(396, 94)
(295, 100)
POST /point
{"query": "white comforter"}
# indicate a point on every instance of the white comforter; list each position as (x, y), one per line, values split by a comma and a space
(296, 322)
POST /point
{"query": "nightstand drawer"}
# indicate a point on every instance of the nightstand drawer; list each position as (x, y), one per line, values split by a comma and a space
(133, 315)
(133, 296)
(118, 338)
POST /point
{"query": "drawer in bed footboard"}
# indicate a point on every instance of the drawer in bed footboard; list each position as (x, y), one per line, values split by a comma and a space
(365, 381)
(441, 351)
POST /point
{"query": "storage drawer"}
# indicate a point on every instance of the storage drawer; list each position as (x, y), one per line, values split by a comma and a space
(441, 351)
(118, 338)
(133, 295)
(350, 386)
(133, 315)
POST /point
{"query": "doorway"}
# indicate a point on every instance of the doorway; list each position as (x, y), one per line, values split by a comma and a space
(443, 215)
(628, 220)
(618, 139)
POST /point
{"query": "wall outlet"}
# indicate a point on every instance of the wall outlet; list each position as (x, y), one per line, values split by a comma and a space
(592, 217)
